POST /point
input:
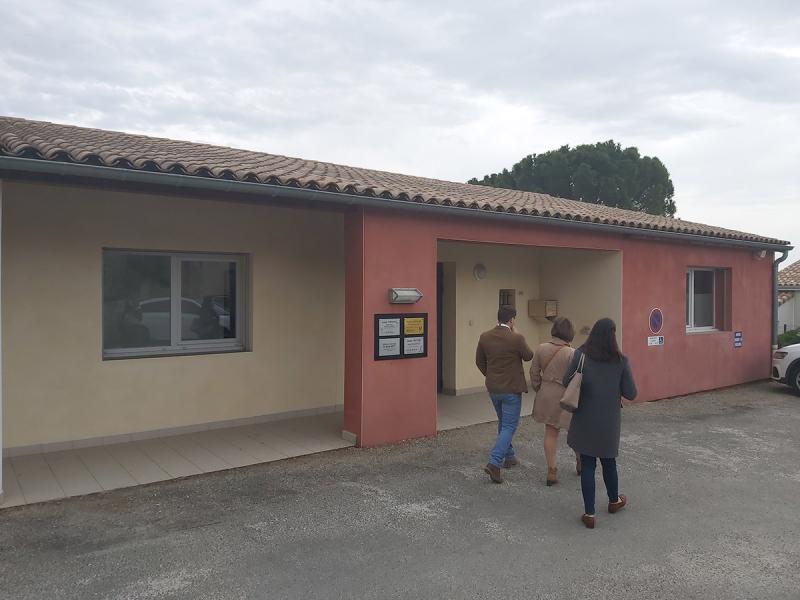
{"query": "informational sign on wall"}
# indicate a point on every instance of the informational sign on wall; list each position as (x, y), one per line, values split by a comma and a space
(738, 340)
(413, 326)
(389, 348)
(387, 327)
(401, 336)
(413, 346)
(655, 340)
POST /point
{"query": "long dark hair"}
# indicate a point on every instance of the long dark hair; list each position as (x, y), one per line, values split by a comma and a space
(602, 343)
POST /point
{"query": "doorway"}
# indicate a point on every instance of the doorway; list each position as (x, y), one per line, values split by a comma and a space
(473, 279)
(445, 327)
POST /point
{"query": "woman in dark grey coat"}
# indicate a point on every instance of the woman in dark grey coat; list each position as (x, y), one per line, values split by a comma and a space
(594, 430)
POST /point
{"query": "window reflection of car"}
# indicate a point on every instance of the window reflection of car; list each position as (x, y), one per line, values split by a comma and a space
(221, 304)
(156, 317)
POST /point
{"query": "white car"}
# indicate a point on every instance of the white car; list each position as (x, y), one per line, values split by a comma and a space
(786, 366)
(156, 316)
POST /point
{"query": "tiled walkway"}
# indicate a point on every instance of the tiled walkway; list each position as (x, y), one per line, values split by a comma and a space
(41, 477)
(461, 411)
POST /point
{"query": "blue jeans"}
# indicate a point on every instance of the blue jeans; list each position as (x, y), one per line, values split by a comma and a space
(588, 466)
(508, 408)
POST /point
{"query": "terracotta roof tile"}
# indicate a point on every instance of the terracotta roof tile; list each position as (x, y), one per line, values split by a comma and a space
(790, 276)
(784, 297)
(54, 142)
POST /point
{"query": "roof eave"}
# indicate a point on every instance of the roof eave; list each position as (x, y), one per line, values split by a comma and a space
(40, 167)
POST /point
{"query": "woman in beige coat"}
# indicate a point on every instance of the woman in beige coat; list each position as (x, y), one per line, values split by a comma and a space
(550, 362)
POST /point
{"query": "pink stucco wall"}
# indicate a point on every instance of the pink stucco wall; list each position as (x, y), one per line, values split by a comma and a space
(388, 401)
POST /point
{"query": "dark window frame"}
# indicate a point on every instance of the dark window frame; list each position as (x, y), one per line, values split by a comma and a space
(509, 295)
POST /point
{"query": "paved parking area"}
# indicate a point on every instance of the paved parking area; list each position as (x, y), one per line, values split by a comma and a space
(713, 481)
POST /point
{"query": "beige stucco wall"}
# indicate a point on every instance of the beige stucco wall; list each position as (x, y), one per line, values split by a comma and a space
(56, 385)
(508, 267)
(587, 285)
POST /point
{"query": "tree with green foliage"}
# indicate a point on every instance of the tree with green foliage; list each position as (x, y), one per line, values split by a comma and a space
(788, 338)
(602, 173)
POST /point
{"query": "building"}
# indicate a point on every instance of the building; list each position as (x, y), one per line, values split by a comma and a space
(789, 298)
(152, 286)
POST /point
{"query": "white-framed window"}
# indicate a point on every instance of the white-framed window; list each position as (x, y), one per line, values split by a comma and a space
(161, 303)
(701, 301)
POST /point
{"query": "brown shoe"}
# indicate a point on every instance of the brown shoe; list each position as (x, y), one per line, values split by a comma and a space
(552, 477)
(588, 520)
(618, 505)
(510, 462)
(494, 473)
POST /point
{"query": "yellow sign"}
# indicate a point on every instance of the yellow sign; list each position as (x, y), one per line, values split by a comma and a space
(413, 326)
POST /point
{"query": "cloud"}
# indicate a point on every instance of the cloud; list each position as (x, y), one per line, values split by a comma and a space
(449, 89)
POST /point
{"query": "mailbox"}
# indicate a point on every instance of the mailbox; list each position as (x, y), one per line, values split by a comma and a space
(543, 309)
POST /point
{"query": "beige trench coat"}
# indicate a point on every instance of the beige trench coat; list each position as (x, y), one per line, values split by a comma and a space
(555, 355)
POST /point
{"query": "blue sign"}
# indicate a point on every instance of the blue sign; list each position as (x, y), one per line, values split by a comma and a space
(737, 339)
(656, 320)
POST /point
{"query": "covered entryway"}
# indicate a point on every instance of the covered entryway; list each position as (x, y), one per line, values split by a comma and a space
(463, 411)
(540, 282)
(147, 337)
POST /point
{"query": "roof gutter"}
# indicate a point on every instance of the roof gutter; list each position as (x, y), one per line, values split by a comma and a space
(188, 183)
(778, 261)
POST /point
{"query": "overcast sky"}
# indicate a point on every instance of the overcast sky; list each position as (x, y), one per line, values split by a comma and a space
(445, 89)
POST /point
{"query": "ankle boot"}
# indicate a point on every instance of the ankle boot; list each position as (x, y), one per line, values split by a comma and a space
(494, 473)
(552, 476)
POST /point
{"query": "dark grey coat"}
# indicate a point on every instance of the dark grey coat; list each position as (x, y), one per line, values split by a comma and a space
(594, 430)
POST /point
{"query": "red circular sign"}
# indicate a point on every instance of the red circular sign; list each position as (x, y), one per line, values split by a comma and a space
(656, 321)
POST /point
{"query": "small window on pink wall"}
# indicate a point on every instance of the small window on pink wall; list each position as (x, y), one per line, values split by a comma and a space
(708, 299)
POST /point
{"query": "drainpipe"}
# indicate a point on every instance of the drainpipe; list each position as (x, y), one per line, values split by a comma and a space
(784, 256)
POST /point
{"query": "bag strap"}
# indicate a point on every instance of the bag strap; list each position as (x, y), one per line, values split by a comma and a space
(580, 363)
(544, 368)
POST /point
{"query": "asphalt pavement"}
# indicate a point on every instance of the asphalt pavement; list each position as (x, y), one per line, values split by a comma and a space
(713, 482)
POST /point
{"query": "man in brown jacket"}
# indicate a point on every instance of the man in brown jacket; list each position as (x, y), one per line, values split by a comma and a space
(499, 357)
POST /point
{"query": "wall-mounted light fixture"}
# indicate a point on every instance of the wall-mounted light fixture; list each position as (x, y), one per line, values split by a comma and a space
(404, 295)
(479, 271)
